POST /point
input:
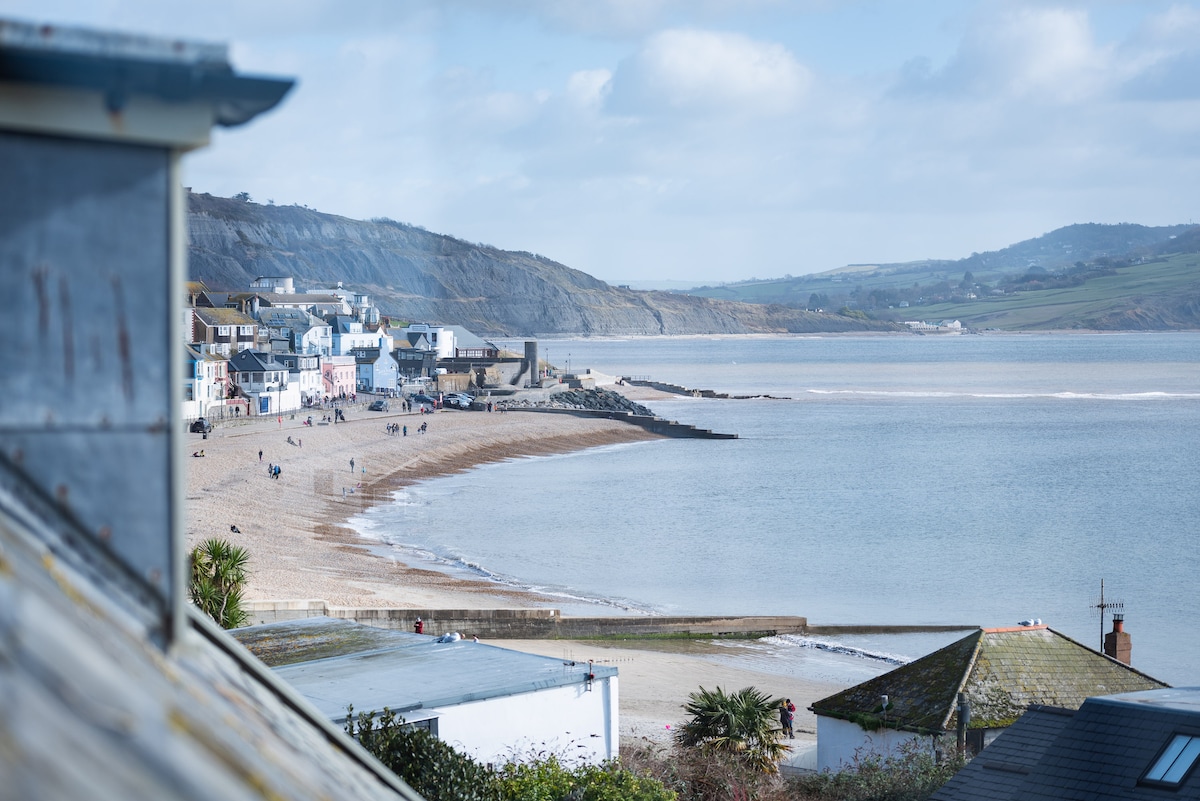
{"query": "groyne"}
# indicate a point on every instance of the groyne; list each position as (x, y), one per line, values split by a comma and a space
(550, 624)
(675, 389)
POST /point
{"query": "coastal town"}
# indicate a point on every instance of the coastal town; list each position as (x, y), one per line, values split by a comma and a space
(271, 350)
(301, 412)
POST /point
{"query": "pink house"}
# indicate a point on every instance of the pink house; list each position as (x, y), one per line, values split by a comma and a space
(337, 375)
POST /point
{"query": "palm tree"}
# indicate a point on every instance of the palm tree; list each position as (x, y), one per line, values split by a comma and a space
(218, 576)
(740, 723)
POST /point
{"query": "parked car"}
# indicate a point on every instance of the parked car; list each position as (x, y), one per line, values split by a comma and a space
(201, 426)
(378, 406)
(459, 400)
(423, 400)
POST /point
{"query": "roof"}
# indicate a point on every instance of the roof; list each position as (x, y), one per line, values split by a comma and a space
(122, 65)
(334, 663)
(1102, 752)
(94, 709)
(1002, 672)
(254, 360)
(224, 316)
(999, 770)
(464, 339)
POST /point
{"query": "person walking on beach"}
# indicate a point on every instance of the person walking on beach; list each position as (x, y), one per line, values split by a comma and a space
(787, 713)
(260, 455)
(351, 464)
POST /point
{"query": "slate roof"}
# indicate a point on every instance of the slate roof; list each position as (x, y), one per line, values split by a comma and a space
(334, 662)
(254, 361)
(93, 709)
(1100, 753)
(465, 339)
(1002, 671)
(1111, 743)
(297, 320)
(999, 770)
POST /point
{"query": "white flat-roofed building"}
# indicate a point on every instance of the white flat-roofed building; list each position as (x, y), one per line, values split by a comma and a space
(487, 702)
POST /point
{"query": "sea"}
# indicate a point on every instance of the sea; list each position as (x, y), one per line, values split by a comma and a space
(974, 480)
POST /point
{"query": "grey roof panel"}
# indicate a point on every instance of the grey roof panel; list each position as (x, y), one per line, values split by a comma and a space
(998, 772)
(345, 662)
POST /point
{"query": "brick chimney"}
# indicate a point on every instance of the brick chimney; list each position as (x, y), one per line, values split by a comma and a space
(1117, 643)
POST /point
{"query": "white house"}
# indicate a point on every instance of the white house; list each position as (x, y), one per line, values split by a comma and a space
(440, 338)
(264, 381)
(350, 334)
(206, 381)
(304, 370)
(487, 702)
(303, 332)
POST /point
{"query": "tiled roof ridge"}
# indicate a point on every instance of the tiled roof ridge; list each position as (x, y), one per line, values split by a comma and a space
(1006, 629)
(968, 669)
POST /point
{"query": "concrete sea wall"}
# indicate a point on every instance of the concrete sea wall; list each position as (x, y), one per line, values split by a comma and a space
(525, 624)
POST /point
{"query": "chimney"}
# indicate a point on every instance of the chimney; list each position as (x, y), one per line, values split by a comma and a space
(1117, 643)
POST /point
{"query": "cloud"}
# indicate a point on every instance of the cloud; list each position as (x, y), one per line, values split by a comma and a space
(1019, 53)
(1164, 57)
(707, 73)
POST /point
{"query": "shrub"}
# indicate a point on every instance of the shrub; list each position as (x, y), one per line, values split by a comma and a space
(428, 765)
(439, 773)
(912, 774)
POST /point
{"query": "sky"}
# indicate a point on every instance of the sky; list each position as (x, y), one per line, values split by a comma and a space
(704, 141)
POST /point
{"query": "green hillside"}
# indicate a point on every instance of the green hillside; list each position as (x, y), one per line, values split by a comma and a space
(1125, 277)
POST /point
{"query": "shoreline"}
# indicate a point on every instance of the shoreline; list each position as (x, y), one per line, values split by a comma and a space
(296, 527)
(301, 546)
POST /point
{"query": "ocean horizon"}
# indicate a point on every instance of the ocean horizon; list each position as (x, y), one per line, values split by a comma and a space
(938, 480)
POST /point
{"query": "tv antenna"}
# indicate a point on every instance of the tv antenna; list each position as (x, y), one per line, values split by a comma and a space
(1103, 606)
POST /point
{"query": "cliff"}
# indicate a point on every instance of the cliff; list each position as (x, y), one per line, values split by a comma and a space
(414, 275)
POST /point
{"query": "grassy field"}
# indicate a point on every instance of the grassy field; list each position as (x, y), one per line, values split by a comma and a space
(1140, 296)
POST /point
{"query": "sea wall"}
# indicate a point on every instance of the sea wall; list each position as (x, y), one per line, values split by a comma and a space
(537, 624)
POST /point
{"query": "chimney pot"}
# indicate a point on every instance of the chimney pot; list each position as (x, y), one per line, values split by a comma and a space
(1118, 643)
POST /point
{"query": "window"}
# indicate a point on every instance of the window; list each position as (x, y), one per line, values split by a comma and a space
(1175, 762)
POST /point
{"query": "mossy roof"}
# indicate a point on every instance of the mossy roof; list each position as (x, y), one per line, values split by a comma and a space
(1002, 672)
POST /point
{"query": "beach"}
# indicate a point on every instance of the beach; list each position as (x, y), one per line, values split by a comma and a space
(294, 528)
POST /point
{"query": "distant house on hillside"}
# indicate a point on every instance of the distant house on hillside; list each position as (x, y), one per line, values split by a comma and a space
(998, 672)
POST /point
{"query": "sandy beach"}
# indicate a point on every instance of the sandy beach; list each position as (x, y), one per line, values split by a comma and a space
(300, 548)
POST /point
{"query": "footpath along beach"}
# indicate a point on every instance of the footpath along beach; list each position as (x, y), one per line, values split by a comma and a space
(294, 528)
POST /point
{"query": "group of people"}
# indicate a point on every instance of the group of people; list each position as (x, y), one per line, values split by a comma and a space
(787, 714)
(273, 470)
(396, 428)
